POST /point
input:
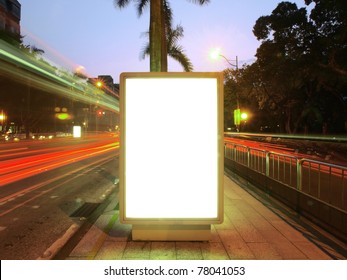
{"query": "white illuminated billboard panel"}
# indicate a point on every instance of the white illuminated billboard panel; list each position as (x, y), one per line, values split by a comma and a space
(171, 145)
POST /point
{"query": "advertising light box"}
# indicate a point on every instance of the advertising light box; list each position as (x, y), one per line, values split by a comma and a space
(171, 161)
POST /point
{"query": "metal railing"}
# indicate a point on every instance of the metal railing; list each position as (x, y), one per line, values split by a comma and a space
(324, 181)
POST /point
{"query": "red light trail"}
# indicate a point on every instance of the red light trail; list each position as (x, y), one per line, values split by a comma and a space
(22, 163)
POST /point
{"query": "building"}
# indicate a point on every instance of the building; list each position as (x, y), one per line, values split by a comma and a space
(105, 83)
(10, 12)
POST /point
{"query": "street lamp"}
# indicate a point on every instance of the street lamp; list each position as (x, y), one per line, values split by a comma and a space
(99, 84)
(244, 116)
(2, 119)
(215, 54)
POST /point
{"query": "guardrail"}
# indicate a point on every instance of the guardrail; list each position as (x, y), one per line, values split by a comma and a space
(331, 181)
(313, 188)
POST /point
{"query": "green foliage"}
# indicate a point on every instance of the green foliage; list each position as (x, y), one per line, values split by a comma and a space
(300, 75)
(174, 50)
(161, 27)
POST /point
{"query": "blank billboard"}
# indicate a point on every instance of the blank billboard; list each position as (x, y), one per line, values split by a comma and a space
(171, 164)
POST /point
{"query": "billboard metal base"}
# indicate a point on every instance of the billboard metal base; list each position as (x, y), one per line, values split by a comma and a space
(171, 232)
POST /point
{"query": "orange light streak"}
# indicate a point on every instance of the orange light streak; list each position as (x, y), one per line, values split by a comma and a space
(17, 169)
(43, 184)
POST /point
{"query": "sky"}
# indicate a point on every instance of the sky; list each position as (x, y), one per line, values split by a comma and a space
(100, 39)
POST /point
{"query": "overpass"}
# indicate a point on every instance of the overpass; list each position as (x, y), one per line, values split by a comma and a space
(16, 65)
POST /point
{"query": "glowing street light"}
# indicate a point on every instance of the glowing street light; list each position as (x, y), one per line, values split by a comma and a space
(215, 54)
(2, 119)
(99, 84)
(244, 116)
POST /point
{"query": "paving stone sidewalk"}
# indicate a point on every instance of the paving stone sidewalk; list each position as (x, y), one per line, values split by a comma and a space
(253, 229)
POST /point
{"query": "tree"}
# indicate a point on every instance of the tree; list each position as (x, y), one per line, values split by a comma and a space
(329, 47)
(156, 35)
(160, 22)
(330, 40)
(302, 63)
(174, 50)
(280, 61)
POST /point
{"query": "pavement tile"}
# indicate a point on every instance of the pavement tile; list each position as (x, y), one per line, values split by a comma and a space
(264, 251)
(189, 250)
(228, 201)
(233, 212)
(288, 231)
(238, 250)
(234, 245)
(230, 193)
(137, 250)
(248, 232)
(262, 224)
(288, 251)
(214, 251)
(267, 214)
(271, 235)
(311, 251)
(111, 250)
(163, 251)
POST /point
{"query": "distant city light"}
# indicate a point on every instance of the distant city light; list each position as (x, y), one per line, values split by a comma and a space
(62, 116)
(77, 131)
(244, 116)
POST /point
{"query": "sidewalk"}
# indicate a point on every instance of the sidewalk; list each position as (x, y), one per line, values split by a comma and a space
(252, 229)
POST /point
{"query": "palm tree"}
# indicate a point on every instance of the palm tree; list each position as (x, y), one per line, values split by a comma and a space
(173, 49)
(160, 21)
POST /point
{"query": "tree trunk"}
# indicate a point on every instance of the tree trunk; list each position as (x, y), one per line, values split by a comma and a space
(163, 42)
(155, 35)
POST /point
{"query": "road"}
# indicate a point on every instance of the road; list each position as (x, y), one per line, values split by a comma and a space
(49, 189)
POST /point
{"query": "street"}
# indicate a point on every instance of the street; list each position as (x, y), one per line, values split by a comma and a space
(51, 187)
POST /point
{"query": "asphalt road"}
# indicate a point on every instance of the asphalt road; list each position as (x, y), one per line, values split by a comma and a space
(57, 199)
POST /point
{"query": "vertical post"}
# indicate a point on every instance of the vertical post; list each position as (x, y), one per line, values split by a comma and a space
(299, 175)
(164, 29)
(155, 33)
(267, 171)
(248, 156)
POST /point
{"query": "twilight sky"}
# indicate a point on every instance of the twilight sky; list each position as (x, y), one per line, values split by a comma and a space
(108, 41)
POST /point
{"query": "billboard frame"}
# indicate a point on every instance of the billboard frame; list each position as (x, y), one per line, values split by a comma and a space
(177, 222)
